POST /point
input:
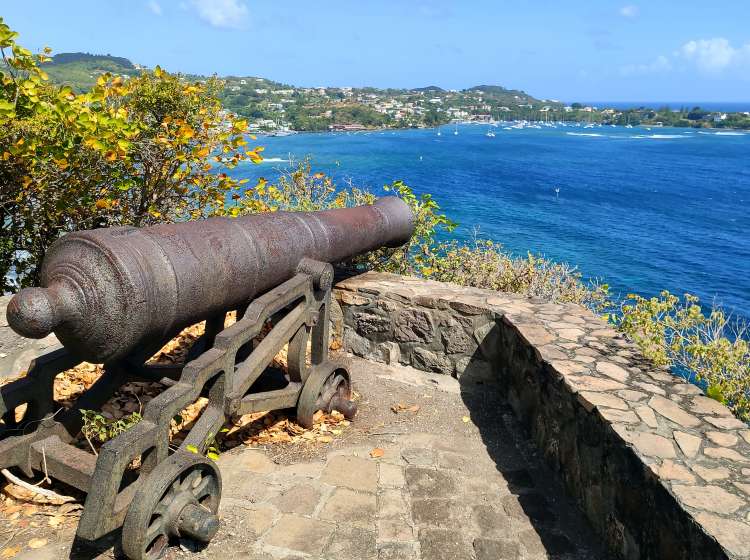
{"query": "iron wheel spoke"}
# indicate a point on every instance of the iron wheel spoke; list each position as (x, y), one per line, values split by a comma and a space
(205, 488)
(190, 479)
(154, 530)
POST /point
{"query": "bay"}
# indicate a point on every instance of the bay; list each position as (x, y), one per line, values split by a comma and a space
(642, 209)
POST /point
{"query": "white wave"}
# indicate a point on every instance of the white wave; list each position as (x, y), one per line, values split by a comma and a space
(584, 134)
(275, 160)
(723, 133)
(660, 136)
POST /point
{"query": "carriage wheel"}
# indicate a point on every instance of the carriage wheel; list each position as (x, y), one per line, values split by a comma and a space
(179, 498)
(327, 388)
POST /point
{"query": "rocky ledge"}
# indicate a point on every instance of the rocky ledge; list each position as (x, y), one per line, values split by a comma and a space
(660, 470)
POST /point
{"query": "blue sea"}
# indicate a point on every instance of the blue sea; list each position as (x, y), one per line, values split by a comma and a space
(725, 106)
(642, 209)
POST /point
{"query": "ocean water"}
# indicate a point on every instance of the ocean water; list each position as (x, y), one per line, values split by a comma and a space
(643, 210)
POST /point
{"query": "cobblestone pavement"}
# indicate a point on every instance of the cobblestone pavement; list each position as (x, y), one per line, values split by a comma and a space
(456, 481)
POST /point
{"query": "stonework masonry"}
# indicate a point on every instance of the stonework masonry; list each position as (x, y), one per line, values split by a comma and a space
(660, 470)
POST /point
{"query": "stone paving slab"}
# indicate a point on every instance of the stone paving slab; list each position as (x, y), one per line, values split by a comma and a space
(434, 494)
(443, 489)
(611, 422)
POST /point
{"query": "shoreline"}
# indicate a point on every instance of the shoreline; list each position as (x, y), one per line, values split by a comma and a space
(496, 123)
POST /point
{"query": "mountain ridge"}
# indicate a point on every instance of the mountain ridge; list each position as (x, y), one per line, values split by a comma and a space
(118, 64)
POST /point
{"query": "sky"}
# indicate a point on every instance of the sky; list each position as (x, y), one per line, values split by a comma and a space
(570, 50)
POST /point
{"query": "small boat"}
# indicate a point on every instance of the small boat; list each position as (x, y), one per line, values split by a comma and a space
(455, 131)
(490, 133)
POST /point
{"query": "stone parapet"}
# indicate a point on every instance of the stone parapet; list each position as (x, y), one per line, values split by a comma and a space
(660, 470)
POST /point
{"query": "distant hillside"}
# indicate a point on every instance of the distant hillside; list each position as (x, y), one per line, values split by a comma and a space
(429, 89)
(271, 105)
(80, 70)
(64, 58)
(491, 89)
(504, 95)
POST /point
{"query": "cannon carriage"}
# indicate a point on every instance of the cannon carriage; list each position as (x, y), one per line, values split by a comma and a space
(115, 296)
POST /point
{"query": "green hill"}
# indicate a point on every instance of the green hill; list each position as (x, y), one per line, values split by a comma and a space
(269, 104)
(80, 70)
(505, 96)
(429, 89)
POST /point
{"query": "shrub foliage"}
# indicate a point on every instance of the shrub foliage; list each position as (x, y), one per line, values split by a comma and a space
(134, 151)
(711, 348)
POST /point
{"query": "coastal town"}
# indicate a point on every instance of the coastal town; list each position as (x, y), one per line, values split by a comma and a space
(281, 109)
(275, 108)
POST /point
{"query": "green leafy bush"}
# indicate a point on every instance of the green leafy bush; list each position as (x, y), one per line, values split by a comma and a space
(99, 429)
(711, 348)
(485, 265)
(127, 152)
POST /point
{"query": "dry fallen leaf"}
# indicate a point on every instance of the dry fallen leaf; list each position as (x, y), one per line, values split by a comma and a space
(68, 508)
(255, 429)
(37, 543)
(10, 552)
(401, 407)
(377, 452)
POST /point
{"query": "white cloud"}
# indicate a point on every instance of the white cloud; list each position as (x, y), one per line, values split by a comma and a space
(228, 14)
(630, 11)
(154, 6)
(659, 65)
(715, 55)
(708, 56)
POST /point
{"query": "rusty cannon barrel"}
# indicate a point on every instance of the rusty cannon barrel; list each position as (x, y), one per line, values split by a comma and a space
(108, 292)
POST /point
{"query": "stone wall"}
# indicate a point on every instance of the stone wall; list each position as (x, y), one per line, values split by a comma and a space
(660, 470)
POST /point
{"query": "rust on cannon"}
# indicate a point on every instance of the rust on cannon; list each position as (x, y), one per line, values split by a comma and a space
(117, 295)
(105, 292)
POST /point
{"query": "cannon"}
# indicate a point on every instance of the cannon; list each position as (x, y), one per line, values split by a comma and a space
(115, 296)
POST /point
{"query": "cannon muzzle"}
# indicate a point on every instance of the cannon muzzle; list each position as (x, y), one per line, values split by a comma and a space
(108, 292)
